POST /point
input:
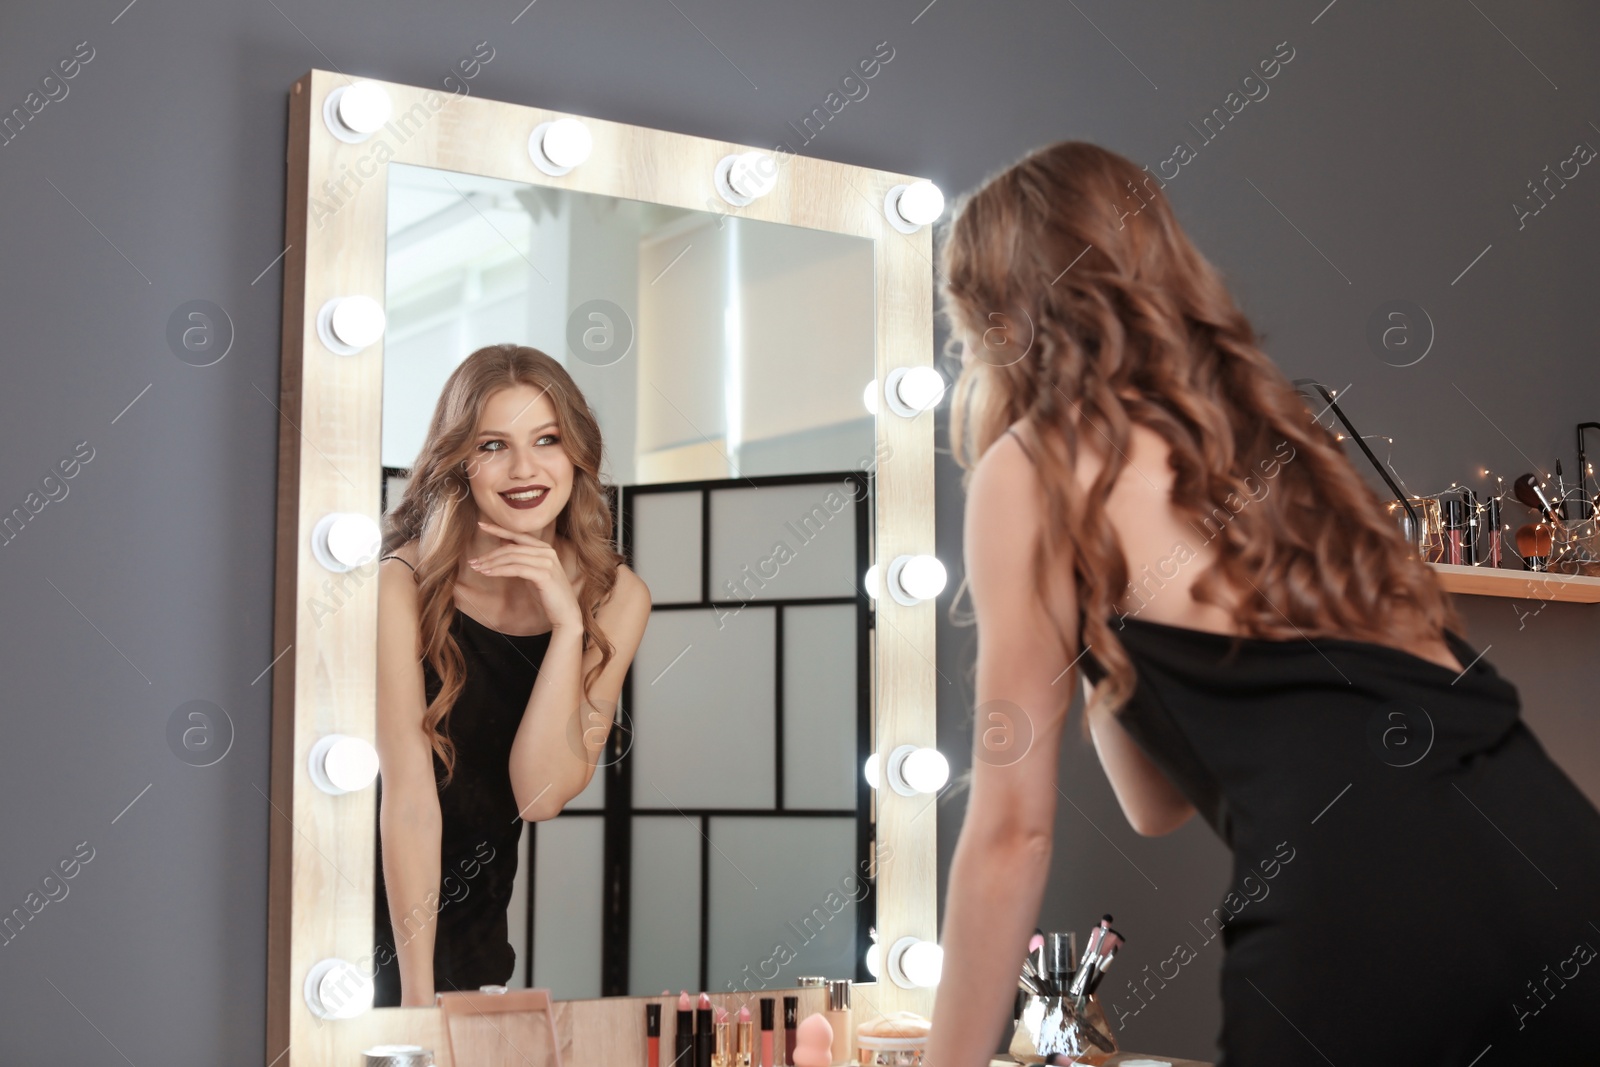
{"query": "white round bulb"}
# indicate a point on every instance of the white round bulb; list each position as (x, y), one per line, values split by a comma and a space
(567, 142)
(341, 764)
(753, 174)
(337, 989)
(869, 397)
(869, 770)
(352, 539)
(920, 388)
(874, 960)
(922, 963)
(357, 321)
(342, 541)
(871, 581)
(926, 770)
(364, 107)
(922, 577)
(920, 203)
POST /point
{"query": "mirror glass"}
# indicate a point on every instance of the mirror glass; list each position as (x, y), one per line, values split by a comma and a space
(724, 840)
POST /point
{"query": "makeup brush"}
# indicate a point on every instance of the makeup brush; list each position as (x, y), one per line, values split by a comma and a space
(1528, 491)
(1533, 545)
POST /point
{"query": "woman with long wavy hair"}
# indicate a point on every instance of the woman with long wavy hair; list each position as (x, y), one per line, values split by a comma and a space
(506, 622)
(1150, 501)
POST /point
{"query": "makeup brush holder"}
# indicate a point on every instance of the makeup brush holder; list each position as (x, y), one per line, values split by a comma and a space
(1061, 1030)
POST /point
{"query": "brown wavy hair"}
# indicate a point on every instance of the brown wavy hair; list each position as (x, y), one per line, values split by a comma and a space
(438, 512)
(1081, 301)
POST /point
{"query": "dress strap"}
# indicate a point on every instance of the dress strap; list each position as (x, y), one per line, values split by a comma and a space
(382, 558)
(1022, 445)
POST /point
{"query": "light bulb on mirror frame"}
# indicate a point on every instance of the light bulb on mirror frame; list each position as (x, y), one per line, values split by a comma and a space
(556, 147)
(914, 770)
(337, 989)
(911, 207)
(341, 764)
(344, 540)
(914, 579)
(870, 581)
(746, 176)
(869, 397)
(915, 963)
(348, 324)
(353, 113)
(869, 770)
(912, 390)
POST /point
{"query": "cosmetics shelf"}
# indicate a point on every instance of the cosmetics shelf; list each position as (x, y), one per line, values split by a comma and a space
(1522, 585)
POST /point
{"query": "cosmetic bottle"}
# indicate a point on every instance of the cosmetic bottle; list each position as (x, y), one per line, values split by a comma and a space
(838, 1016)
(791, 1028)
(1471, 542)
(1455, 526)
(1489, 533)
(767, 1012)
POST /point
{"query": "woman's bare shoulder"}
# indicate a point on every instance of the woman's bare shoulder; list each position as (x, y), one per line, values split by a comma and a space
(630, 590)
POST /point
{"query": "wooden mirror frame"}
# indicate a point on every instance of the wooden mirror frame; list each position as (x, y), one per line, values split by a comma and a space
(322, 847)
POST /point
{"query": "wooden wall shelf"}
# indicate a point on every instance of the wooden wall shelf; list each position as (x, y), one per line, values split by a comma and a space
(1522, 585)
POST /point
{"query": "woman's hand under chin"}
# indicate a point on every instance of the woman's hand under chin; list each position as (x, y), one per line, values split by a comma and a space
(535, 560)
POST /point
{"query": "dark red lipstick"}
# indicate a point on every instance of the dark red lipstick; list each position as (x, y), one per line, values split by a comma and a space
(527, 502)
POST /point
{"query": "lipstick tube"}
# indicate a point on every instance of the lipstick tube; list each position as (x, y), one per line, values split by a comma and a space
(683, 1040)
(721, 1051)
(702, 1032)
(745, 1041)
(652, 1034)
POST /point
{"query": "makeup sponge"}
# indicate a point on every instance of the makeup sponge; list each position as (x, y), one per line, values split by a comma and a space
(813, 1042)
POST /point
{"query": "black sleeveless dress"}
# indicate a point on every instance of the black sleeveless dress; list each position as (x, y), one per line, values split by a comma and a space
(1414, 880)
(481, 823)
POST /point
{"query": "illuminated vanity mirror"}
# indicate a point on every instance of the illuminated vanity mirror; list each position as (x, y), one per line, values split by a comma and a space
(727, 831)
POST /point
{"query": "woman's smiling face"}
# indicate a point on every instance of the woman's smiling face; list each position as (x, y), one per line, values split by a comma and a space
(520, 474)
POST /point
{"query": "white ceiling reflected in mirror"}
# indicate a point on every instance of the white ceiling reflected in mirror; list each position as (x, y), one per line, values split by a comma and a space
(712, 346)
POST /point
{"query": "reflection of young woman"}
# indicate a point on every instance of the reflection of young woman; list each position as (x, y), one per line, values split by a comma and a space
(506, 622)
(1149, 495)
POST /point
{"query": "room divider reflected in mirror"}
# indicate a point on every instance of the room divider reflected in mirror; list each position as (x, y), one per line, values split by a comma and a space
(726, 837)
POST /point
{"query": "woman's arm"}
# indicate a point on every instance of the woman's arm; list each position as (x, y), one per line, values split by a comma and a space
(408, 818)
(1150, 801)
(563, 734)
(1002, 857)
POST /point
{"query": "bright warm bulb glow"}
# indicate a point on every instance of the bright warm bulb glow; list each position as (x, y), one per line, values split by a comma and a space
(567, 142)
(871, 581)
(869, 770)
(923, 577)
(874, 958)
(921, 202)
(926, 770)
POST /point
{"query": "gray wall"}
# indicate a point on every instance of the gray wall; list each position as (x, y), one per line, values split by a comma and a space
(1395, 141)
